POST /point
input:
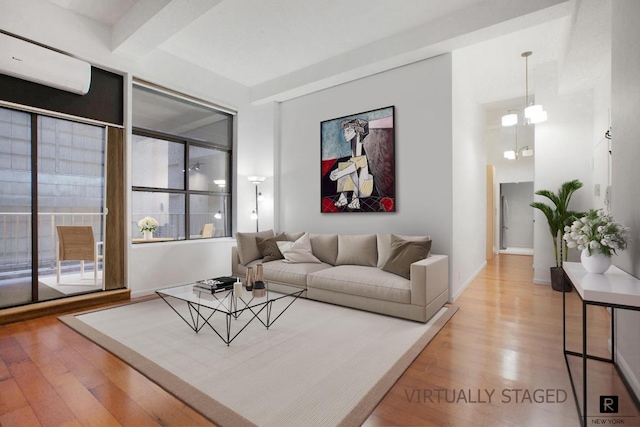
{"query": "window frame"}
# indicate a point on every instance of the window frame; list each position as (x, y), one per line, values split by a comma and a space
(187, 192)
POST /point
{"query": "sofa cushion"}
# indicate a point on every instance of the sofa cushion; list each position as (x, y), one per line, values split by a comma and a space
(384, 245)
(325, 247)
(247, 246)
(298, 251)
(268, 247)
(357, 250)
(292, 237)
(368, 282)
(404, 253)
(283, 272)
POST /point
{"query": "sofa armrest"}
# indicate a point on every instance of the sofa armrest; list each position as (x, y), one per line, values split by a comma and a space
(429, 279)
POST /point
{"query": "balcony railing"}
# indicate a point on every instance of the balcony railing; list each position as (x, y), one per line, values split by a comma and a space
(15, 229)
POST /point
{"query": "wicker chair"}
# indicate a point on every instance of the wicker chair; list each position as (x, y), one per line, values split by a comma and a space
(76, 243)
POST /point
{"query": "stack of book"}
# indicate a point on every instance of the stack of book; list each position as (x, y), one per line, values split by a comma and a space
(213, 286)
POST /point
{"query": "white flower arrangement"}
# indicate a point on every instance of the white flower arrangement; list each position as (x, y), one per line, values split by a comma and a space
(597, 232)
(147, 224)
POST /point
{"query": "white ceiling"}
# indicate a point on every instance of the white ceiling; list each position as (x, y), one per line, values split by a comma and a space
(284, 48)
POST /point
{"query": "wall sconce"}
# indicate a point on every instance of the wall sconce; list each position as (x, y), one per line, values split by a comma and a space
(257, 180)
(195, 166)
(218, 215)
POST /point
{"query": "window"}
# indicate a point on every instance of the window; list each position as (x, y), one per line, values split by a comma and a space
(181, 166)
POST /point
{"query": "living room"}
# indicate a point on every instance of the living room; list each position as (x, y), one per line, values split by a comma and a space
(440, 146)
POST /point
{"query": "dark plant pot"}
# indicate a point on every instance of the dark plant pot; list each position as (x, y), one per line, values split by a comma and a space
(558, 281)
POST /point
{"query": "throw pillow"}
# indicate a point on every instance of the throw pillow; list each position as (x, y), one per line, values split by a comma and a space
(357, 250)
(384, 245)
(247, 246)
(325, 247)
(268, 247)
(298, 251)
(404, 253)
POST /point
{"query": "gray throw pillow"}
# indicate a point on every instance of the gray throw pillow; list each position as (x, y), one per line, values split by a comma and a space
(404, 253)
(384, 245)
(357, 250)
(247, 246)
(268, 247)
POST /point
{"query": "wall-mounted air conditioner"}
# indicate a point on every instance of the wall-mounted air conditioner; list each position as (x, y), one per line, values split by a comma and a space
(28, 61)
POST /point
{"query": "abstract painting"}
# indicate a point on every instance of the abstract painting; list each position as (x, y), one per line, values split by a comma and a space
(358, 162)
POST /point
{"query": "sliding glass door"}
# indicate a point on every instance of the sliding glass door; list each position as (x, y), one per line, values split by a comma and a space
(52, 174)
(16, 249)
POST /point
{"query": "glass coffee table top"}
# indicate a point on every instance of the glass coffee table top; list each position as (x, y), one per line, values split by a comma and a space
(203, 305)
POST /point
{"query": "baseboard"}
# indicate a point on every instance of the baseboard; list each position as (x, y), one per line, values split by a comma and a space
(62, 305)
(632, 380)
(541, 282)
(468, 282)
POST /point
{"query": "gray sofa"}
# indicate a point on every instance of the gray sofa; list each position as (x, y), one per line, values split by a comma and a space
(350, 271)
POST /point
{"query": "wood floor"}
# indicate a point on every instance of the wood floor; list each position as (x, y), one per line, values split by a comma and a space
(505, 342)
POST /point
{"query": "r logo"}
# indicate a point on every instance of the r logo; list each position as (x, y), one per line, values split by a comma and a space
(608, 404)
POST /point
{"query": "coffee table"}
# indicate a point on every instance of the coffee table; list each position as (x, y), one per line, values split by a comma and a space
(203, 305)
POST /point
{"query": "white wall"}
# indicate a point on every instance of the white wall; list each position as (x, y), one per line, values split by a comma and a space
(625, 202)
(469, 180)
(601, 145)
(563, 153)
(160, 265)
(255, 155)
(421, 94)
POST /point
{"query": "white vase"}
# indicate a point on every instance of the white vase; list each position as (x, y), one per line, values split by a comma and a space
(596, 263)
(148, 235)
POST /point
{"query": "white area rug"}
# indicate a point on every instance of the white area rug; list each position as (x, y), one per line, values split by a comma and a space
(318, 364)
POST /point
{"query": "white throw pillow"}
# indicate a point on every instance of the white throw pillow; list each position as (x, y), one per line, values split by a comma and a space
(298, 251)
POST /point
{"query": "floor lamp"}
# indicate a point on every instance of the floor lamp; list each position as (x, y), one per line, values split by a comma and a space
(256, 180)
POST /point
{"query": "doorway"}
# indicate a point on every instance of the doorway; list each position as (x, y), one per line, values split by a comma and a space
(52, 172)
(516, 218)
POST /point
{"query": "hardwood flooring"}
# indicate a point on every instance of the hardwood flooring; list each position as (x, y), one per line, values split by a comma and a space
(504, 342)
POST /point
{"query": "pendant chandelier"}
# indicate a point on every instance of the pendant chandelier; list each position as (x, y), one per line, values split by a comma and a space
(532, 113)
(518, 152)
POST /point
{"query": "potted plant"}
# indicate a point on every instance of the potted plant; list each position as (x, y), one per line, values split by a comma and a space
(558, 216)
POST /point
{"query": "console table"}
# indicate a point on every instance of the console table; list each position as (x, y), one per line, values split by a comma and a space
(614, 289)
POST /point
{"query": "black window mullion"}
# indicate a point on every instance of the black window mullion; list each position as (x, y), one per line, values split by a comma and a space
(35, 267)
(187, 211)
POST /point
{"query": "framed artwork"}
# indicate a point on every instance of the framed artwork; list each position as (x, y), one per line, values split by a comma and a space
(358, 162)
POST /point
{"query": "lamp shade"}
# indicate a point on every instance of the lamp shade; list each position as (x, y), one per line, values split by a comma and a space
(539, 117)
(256, 179)
(510, 119)
(510, 155)
(532, 111)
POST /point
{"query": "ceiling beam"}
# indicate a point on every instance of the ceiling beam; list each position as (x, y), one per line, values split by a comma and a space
(149, 23)
(484, 21)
